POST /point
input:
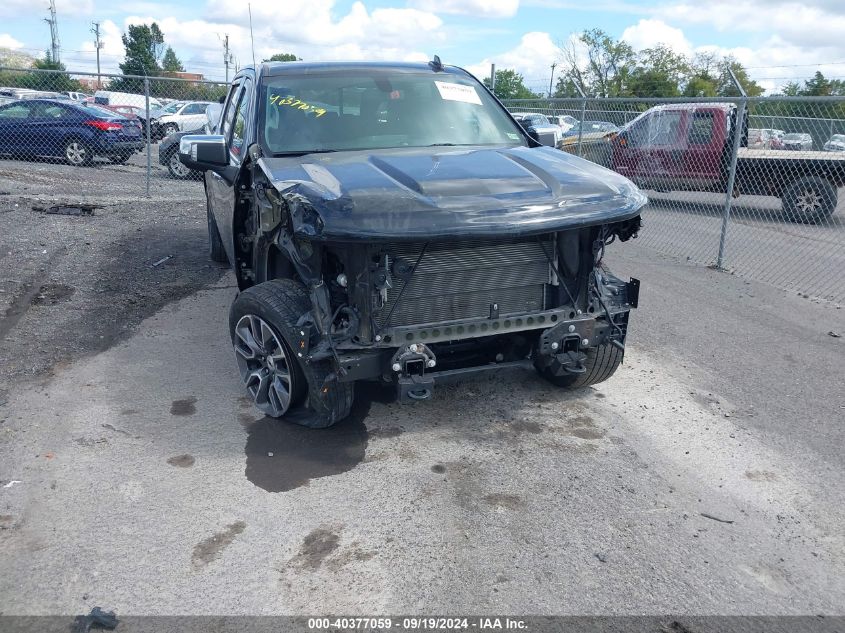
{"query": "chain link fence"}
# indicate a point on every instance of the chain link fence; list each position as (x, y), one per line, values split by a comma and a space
(783, 221)
(130, 125)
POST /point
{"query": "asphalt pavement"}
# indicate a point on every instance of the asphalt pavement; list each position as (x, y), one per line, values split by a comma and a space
(705, 477)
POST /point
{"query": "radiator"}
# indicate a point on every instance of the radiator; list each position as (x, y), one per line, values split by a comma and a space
(462, 280)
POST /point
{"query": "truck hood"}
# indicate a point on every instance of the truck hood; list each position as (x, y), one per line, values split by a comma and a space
(448, 193)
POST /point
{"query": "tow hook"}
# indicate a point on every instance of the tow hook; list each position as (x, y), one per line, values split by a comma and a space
(411, 363)
(569, 363)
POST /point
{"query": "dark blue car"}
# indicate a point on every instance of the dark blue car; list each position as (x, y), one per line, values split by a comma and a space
(75, 132)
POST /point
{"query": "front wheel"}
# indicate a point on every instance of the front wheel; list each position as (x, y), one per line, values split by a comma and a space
(809, 200)
(262, 324)
(601, 363)
(177, 168)
(77, 152)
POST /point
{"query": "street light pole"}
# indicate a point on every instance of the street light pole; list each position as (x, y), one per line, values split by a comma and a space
(552, 79)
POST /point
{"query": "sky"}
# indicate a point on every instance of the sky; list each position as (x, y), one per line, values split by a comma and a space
(778, 40)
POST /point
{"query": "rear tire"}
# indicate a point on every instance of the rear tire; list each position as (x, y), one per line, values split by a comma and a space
(215, 244)
(77, 152)
(601, 363)
(809, 200)
(315, 402)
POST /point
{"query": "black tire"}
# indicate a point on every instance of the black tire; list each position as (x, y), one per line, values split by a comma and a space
(809, 200)
(215, 243)
(177, 169)
(170, 128)
(601, 363)
(77, 152)
(316, 402)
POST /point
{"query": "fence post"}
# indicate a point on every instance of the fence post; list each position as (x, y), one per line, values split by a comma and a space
(149, 125)
(739, 124)
(583, 114)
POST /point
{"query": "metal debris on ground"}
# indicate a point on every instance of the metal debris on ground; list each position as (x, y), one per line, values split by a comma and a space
(161, 261)
(710, 516)
(68, 209)
(834, 334)
(96, 619)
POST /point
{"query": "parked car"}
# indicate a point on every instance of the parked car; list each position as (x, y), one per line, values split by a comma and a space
(835, 143)
(67, 129)
(682, 147)
(77, 96)
(765, 138)
(565, 122)
(591, 127)
(407, 231)
(797, 141)
(168, 149)
(187, 116)
(539, 127)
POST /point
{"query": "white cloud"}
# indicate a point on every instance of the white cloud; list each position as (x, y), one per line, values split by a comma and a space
(7, 41)
(650, 33)
(403, 33)
(478, 8)
(64, 8)
(533, 58)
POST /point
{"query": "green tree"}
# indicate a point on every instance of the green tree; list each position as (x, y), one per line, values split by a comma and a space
(54, 81)
(659, 73)
(284, 57)
(144, 46)
(510, 85)
(726, 84)
(608, 66)
(565, 87)
(170, 63)
(703, 80)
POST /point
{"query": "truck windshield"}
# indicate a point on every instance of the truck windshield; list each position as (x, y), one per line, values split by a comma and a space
(379, 109)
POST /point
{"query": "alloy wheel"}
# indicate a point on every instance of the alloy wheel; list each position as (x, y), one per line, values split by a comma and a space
(809, 202)
(76, 153)
(177, 167)
(264, 364)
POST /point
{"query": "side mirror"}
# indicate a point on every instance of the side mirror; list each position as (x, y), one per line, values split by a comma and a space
(204, 152)
(533, 133)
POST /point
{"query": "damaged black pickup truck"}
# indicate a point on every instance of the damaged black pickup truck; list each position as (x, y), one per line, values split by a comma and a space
(393, 222)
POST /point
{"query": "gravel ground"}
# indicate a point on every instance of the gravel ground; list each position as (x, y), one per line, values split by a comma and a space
(704, 478)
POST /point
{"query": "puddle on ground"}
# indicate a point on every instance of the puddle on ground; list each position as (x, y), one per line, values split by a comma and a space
(282, 456)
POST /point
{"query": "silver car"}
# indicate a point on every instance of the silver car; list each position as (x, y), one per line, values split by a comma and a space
(797, 141)
(836, 143)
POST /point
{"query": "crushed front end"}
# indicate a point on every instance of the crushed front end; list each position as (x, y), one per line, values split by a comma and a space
(414, 313)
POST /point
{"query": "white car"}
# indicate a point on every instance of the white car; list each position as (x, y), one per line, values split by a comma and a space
(565, 121)
(188, 116)
(835, 143)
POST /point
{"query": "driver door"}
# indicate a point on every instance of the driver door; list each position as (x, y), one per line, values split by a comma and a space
(221, 194)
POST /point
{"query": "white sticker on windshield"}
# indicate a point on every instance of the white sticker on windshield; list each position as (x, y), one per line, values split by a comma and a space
(457, 92)
(513, 136)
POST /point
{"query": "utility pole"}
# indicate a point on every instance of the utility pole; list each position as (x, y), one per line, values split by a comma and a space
(54, 31)
(552, 79)
(227, 57)
(98, 44)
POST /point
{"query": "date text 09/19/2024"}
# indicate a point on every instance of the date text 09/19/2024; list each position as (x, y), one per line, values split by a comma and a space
(417, 623)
